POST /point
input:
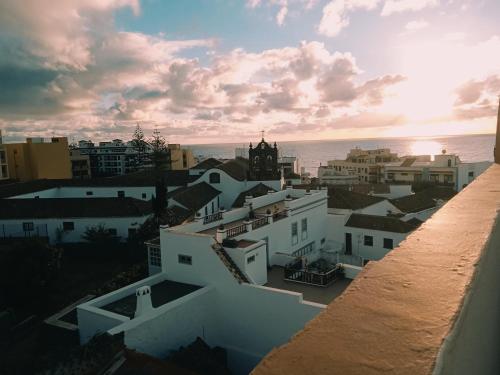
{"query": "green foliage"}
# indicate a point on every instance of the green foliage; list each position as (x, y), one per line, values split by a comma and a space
(100, 236)
(26, 269)
(160, 155)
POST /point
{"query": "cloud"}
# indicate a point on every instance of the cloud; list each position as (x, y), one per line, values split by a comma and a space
(416, 25)
(336, 14)
(477, 98)
(280, 17)
(399, 6)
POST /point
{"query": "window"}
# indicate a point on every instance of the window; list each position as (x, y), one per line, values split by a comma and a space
(206, 210)
(144, 195)
(388, 243)
(121, 194)
(68, 226)
(212, 206)
(304, 229)
(185, 259)
(89, 193)
(295, 233)
(251, 259)
(449, 162)
(368, 241)
(214, 178)
(154, 257)
(471, 174)
(112, 231)
(28, 227)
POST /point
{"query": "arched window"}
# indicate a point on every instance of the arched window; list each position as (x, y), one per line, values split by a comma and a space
(214, 178)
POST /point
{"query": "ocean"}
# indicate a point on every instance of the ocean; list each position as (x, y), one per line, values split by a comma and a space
(312, 154)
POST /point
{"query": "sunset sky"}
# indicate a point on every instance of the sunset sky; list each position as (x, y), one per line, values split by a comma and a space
(207, 71)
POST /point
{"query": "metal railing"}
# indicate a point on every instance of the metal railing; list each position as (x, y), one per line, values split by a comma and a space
(294, 272)
(17, 231)
(235, 231)
(260, 222)
(279, 215)
(213, 217)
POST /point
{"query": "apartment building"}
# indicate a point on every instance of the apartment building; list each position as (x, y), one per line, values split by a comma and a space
(4, 169)
(38, 158)
(445, 169)
(365, 165)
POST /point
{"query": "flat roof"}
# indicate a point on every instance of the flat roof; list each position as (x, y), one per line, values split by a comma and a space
(161, 293)
(312, 293)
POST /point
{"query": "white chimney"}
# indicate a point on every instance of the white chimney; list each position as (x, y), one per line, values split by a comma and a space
(144, 304)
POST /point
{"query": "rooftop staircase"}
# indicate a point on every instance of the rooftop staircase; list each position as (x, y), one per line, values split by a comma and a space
(229, 263)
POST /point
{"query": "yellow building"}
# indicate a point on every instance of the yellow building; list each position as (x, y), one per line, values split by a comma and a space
(38, 158)
(182, 158)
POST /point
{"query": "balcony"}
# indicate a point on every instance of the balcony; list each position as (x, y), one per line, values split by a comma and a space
(431, 306)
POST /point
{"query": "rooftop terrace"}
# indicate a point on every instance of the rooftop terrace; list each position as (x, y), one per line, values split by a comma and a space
(161, 293)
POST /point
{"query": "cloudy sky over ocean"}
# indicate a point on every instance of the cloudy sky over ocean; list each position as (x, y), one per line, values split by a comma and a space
(220, 71)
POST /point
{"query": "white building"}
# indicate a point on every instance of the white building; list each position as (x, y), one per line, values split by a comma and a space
(365, 166)
(210, 279)
(445, 169)
(67, 219)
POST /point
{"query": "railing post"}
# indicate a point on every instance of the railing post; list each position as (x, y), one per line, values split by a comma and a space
(269, 216)
(248, 225)
(221, 233)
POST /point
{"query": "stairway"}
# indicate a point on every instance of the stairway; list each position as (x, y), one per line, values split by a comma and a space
(229, 263)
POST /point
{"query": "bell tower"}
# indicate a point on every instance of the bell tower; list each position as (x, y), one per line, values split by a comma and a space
(263, 161)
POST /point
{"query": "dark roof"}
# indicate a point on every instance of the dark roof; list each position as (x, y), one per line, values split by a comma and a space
(345, 199)
(236, 168)
(180, 213)
(424, 199)
(73, 208)
(207, 164)
(381, 223)
(292, 175)
(257, 191)
(415, 222)
(196, 196)
(161, 293)
(136, 179)
(367, 188)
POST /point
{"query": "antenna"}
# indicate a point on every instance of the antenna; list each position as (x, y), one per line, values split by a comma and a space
(262, 132)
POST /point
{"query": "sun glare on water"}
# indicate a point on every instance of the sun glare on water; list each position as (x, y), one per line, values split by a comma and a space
(426, 147)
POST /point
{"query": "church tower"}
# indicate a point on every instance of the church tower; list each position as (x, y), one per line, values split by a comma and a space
(263, 162)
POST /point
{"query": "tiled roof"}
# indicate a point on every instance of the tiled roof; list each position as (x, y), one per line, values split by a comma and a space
(381, 223)
(136, 179)
(257, 191)
(408, 162)
(236, 168)
(367, 188)
(73, 208)
(196, 196)
(207, 164)
(424, 199)
(345, 199)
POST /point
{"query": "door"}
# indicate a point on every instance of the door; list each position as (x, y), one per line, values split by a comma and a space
(266, 239)
(348, 243)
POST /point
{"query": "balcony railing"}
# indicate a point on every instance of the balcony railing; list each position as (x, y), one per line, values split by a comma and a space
(279, 215)
(260, 222)
(295, 272)
(236, 231)
(213, 217)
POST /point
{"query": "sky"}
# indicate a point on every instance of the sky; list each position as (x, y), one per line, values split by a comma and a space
(213, 71)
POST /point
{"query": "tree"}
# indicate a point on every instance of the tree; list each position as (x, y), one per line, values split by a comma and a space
(26, 269)
(99, 235)
(139, 144)
(160, 155)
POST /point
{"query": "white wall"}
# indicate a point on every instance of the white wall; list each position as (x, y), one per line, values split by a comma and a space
(256, 271)
(98, 192)
(463, 172)
(121, 224)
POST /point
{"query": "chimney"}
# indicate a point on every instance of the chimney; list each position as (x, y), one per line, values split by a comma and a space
(497, 143)
(144, 305)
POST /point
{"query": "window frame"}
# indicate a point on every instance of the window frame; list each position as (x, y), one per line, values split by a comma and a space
(71, 225)
(295, 233)
(385, 243)
(368, 240)
(303, 228)
(155, 257)
(251, 259)
(185, 259)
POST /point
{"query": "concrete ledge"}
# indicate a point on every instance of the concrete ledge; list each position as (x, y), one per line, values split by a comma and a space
(430, 306)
